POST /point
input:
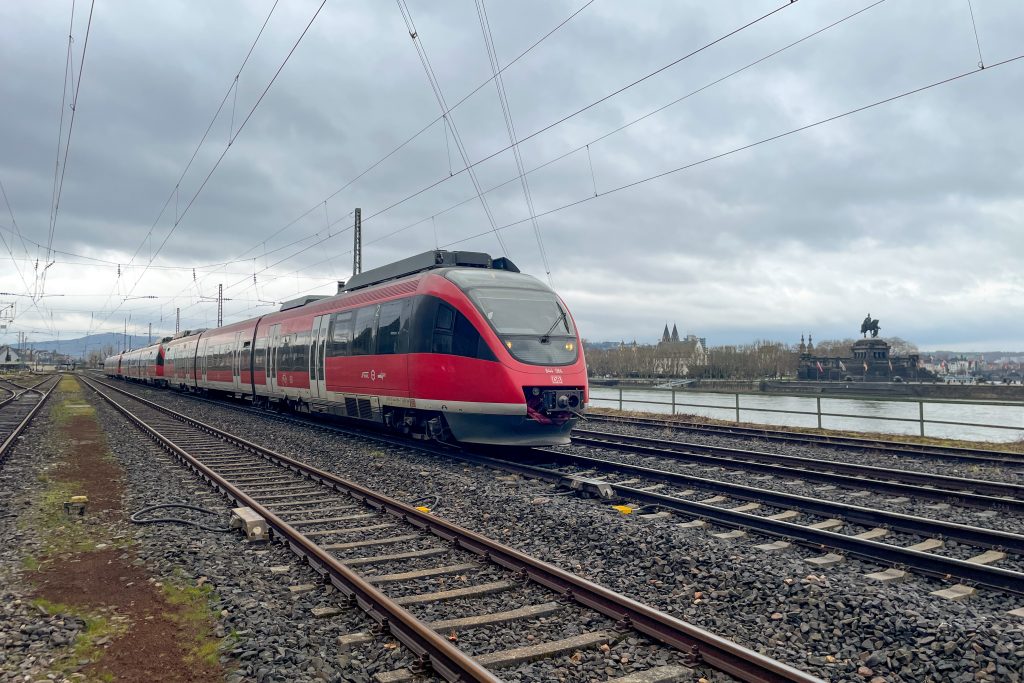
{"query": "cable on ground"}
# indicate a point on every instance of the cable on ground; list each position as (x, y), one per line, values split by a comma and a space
(134, 519)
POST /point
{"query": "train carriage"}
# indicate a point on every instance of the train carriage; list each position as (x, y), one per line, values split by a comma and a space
(180, 362)
(443, 345)
(143, 365)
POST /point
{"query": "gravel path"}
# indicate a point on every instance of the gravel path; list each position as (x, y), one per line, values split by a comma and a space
(831, 622)
(31, 640)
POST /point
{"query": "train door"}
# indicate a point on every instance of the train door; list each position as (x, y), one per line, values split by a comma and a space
(201, 370)
(236, 366)
(317, 346)
(275, 338)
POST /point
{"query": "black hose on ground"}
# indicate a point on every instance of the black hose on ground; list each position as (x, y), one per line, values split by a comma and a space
(175, 520)
(433, 506)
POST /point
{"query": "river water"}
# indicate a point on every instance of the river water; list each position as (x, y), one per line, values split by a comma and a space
(853, 414)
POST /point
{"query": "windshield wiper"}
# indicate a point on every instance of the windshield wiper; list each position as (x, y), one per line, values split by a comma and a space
(561, 316)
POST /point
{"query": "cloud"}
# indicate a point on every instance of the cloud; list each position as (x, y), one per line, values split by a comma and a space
(911, 210)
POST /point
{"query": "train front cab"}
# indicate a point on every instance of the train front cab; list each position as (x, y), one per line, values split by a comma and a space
(541, 388)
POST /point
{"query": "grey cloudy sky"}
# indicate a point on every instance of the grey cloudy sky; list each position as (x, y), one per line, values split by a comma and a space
(912, 210)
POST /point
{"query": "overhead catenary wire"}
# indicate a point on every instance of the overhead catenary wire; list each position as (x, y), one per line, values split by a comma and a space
(173, 195)
(424, 129)
(977, 40)
(547, 127)
(989, 68)
(710, 84)
(757, 143)
(435, 85)
(216, 164)
(384, 158)
(60, 125)
(499, 84)
(67, 144)
(538, 132)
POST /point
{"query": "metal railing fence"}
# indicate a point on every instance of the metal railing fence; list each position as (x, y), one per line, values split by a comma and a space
(735, 409)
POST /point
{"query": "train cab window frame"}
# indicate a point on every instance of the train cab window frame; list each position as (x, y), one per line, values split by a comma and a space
(392, 328)
(340, 334)
(363, 329)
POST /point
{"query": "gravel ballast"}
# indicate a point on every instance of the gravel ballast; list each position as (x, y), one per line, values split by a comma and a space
(831, 622)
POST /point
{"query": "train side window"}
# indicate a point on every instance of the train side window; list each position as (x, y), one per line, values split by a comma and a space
(300, 352)
(444, 323)
(468, 342)
(445, 319)
(362, 337)
(259, 359)
(340, 334)
(393, 327)
(284, 355)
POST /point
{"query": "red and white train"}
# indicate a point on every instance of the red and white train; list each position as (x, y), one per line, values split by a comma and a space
(443, 345)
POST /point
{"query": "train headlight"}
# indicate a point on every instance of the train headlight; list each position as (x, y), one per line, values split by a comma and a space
(536, 391)
(569, 346)
(508, 344)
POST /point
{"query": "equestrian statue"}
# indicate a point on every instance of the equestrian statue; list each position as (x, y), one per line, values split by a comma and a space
(869, 325)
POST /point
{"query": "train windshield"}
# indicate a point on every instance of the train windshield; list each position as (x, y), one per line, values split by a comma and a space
(527, 316)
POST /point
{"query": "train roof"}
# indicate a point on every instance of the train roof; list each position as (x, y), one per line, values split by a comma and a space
(428, 260)
(420, 264)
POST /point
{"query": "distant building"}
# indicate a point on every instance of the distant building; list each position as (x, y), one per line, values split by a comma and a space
(675, 355)
(10, 359)
(870, 360)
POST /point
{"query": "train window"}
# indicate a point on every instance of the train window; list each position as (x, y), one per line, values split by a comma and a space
(453, 333)
(444, 321)
(393, 327)
(468, 342)
(362, 337)
(299, 356)
(445, 318)
(259, 359)
(340, 334)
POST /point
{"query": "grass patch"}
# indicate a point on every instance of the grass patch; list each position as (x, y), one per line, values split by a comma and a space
(85, 646)
(197, 617)
(71, 403)
(60, 533)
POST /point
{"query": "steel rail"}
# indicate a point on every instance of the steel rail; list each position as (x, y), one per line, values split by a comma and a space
(958, 490)
(9, 442)
(938, 566)
(714, 650)
(446, 659)
(835, 441)
(962, 533)
(977, 536)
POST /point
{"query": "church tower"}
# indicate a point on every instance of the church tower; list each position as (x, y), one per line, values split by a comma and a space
(664, 335)
(675, 333)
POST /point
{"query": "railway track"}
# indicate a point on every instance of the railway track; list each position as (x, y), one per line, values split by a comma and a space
(970, 455)
(333, 523)
(18, 408)
(776, 511)
(980, 493)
